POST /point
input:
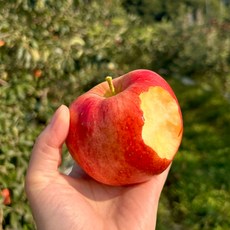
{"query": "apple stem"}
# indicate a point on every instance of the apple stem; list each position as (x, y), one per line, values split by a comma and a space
(111, 86)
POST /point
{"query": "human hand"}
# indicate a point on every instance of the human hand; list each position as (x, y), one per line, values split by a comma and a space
(76, 201)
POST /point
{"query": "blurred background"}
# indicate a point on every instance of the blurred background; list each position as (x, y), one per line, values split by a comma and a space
(51, 51)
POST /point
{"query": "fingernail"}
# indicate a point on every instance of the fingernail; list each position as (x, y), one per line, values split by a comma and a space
(55, 116)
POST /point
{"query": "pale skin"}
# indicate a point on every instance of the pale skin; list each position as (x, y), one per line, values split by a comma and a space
(76, 201)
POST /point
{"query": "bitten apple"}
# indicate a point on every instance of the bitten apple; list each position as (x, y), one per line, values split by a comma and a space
(126, 130)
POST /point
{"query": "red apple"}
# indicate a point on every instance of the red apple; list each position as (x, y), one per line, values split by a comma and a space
(37, 73)
(5, 193)
(2, 43)
(126, 131)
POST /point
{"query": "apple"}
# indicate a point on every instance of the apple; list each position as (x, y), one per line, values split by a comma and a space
(125, 130)
(37, 73)
(5, 193)
(2, 43)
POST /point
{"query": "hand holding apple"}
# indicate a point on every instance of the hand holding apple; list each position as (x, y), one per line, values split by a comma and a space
(126, 131)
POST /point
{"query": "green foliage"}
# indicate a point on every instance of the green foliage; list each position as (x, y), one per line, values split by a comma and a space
(197, 187)
(52, 51)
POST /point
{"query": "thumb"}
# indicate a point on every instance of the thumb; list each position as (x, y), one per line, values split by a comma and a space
(46, 154)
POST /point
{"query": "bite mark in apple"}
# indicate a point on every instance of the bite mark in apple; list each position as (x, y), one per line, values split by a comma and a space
(162, 127)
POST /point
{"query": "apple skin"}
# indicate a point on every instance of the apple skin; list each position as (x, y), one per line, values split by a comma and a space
(105, 134)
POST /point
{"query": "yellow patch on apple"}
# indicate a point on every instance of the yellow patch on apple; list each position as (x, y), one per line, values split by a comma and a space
(162, 126)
